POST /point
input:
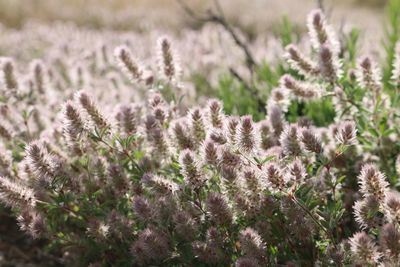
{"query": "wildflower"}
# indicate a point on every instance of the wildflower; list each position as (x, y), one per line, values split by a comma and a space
(246, 135)
(227, 157)
(280, 96)
(38, 72)
(90, 107)
(9, 76)
(231, 129)
(126, 119)
(98, 229)
(275, 117)
(210, 152)
(128, 63)
(211, 251)
(274, 177)
(218, 136)
(72, 126)
(368, 75)
(182, 136)
(302, 90)
(329, 64)
(44, 166)
(117, 178)
(390, 242)
(168, 62)
(363, 249)
(185, 226)
(156, 136)
(290, 141)
(33, 223)
(310, 141)
(347, 133)
(15, 195)
(142, 208)
(365, 211)
(215, 113)
(218, 209)
(392, 207)
(162, 185)
(151, 247)
(5, 164)
(252, 244)
(300, 62)
(372, 182)
(190, 169)
(252, 181)
(296, 172)
(320, 32)
(197, 125)
(266, 134)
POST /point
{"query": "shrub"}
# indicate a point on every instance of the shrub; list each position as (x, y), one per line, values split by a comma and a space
(162, 184)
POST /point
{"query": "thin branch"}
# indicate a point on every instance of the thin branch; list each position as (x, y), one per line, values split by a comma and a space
(221, 20)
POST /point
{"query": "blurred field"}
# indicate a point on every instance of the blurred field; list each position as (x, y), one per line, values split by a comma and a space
(253, 16)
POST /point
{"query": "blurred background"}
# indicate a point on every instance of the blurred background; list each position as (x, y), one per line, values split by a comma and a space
(252, 15)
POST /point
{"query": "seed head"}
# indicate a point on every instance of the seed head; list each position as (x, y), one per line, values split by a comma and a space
(363, 250)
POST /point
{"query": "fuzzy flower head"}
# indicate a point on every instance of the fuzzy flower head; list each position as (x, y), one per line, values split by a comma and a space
(91, 109)
(390, 242)
(347, 133)
(197, 125)
(392, 207)
(218, 208)
(280, 96)
(310, 141)
(302, 90)
(128, 64)
(246, 136)
(252, 244)
(16, 195)
(330, 67)
(365, 212)
(321, 32)
(210, 152)
(190, 169)
(151, 247)
(38, 72)
(43, 165)
(126, 120)
(373, 182)
(300, 62)
(296, 172)
(274, 176)
(368, 75)
(275, 117)
(8, 74)
(290, 141)
(215, 113)
(168, 60)
(363, 250)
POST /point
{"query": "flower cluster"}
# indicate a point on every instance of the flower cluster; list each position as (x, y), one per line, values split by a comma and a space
(111, 179)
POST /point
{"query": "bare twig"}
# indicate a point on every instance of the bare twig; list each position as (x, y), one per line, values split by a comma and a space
(221, 20)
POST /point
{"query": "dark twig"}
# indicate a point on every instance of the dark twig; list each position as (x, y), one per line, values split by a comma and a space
(221, 20)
